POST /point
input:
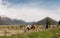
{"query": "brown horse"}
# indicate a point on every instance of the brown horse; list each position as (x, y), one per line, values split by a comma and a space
(30, 27)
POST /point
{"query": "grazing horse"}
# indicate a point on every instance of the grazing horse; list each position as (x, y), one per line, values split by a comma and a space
(33, 27)
(29, 27)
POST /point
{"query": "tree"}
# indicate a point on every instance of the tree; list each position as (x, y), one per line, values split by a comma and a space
(58, 23)
(47, 24)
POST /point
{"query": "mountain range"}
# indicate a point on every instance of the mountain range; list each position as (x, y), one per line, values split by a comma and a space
(9, 21)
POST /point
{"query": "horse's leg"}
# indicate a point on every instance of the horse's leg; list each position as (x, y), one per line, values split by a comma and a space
(25, 30)
(28, 29)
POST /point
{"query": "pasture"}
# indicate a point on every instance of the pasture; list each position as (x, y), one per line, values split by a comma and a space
(17, 31)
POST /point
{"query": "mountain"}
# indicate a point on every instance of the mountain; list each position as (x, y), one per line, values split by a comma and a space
(5, 20)
(50, 21)
(16, 21)
(30, 23)
(8, 21)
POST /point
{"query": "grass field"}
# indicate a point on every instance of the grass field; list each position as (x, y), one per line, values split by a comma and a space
(48, 33)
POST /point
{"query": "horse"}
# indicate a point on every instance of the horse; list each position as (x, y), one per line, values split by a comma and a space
(30, 27)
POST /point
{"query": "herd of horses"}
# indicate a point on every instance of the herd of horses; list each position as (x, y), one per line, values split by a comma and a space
(34, 27)
(30, 27)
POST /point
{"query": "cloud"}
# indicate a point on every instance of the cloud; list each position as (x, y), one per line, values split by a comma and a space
(29, 10)
(30, 14)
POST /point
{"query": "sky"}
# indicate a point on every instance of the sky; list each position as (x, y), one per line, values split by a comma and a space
(30, 10)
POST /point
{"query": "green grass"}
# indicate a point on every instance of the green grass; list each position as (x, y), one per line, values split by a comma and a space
(53, 33)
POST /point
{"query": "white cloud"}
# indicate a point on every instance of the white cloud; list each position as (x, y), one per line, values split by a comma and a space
(28, 13)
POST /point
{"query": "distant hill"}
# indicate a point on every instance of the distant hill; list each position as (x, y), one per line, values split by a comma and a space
(16, 21)
(8, 21)
(30, 23)
(43, 21)
(5, 20)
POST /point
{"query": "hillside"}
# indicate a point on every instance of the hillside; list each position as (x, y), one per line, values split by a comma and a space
(8, 21)
(43, 21)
